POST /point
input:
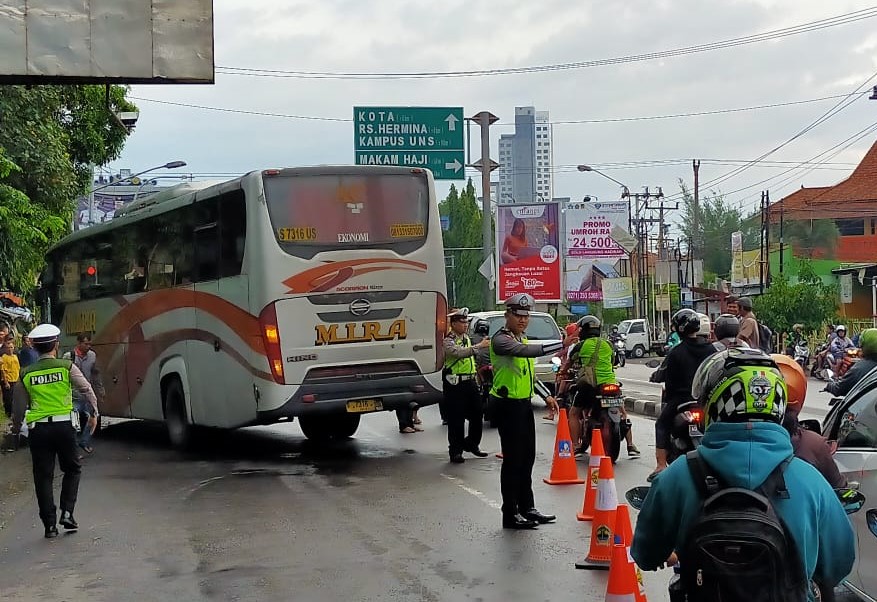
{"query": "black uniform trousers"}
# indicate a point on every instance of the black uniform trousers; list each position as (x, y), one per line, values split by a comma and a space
(47, 440)
(517, 434)
(463, 402)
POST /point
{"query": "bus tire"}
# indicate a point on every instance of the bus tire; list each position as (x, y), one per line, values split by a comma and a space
(176, 420)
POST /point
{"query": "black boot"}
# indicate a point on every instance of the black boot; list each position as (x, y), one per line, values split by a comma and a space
(542, 519)
(516, 521)
(68, 522)
(51, 531)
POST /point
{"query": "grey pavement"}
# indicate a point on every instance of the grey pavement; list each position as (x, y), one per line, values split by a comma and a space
(262, 514)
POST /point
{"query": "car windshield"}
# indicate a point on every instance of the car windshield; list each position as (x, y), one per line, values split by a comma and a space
(624, 326)
(541, 327)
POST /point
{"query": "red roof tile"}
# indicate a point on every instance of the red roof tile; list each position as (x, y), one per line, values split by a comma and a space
(854, 197)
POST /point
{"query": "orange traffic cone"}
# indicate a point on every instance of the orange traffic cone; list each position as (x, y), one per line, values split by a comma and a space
(622, 579)
(600, 552)
(563, 468)
(597, 452)
(624, 528)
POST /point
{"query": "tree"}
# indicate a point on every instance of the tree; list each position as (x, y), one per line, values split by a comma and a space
(716, 221)
(464, 282)
(809, 237)
(50, 136)
(809, 302)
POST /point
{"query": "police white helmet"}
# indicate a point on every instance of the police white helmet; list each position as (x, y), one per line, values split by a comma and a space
(459, 315)
(520, 304)
(45, 333)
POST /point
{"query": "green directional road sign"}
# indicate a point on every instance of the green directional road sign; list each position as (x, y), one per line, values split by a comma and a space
(430, 137)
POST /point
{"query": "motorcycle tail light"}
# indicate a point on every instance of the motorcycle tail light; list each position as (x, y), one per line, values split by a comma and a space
(610, 389)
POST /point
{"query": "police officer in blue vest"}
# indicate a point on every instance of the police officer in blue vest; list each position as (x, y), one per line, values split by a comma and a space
(514, 384)
(43, 398)
(462, 399)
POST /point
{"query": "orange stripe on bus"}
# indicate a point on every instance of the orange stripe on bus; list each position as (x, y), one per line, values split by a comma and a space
(325, 277)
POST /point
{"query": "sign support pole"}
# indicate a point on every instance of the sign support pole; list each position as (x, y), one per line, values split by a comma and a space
(485, 165)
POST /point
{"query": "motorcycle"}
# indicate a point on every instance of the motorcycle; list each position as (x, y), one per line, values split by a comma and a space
(687, 432)
(850, 498)
(850, 357)
(608, 419)
(485, 383)
(619, 351)
(819, 365)
(802, 353)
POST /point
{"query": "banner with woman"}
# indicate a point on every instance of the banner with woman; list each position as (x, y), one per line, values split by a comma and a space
(527, 243)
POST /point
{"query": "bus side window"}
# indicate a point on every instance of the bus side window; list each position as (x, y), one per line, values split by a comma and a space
(233, 232)
(206, 237)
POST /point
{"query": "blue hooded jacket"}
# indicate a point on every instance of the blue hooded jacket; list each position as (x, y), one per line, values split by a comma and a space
(743, 455)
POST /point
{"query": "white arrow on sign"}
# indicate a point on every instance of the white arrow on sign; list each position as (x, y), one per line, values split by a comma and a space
(456, 165)
(452, 122)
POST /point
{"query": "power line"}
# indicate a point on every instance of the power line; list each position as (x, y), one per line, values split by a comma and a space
(825, 23)
(560, 122)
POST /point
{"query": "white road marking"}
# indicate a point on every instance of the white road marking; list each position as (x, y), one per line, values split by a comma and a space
(474, 492)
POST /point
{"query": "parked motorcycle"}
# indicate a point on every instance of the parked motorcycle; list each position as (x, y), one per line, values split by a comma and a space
(802, 353)
(850, 498)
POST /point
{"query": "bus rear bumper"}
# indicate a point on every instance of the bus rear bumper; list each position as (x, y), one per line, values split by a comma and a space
(327, 399)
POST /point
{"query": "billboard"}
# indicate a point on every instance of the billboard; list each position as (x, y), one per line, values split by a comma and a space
(617, 293)
(745, 265)
(106, 41)
(589, 229)
(585, 277)
(528, 255)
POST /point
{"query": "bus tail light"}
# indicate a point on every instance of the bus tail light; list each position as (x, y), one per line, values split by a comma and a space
(271, 339)
(441, 329)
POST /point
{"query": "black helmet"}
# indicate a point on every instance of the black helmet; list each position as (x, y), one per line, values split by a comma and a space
(590, 325)
(727, 327)
(686, 322)
(482, 327)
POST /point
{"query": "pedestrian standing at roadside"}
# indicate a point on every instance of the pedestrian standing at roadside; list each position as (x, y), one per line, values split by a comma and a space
(44, 399)
(748, 323)
(27, 355)
(85, 359)
(462, 398)
(9, 369)
(514, 384)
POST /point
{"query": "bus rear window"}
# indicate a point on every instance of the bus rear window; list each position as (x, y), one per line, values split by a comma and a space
(314, 212)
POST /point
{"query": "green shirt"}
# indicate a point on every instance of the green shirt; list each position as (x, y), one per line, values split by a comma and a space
(603, 369)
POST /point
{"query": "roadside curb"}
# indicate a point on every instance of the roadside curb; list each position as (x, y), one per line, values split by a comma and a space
(643, 407)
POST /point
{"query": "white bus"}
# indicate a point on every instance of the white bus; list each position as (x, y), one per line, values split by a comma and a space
(311, 293)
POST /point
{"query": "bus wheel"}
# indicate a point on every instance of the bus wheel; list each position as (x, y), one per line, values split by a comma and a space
(177, 422)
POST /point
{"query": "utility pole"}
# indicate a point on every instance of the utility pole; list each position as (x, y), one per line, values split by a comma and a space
(695, 163)
(767, 236)
(485, 119)
(642, 204)
(761, 249)
(782, 240)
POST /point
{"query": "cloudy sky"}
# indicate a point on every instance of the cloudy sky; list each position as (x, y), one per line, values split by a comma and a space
(401, 36)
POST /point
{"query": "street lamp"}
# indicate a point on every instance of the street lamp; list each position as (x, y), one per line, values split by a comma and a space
(168, 165)
(625, 191)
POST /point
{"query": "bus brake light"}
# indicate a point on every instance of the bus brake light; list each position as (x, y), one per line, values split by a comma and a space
(271, 339)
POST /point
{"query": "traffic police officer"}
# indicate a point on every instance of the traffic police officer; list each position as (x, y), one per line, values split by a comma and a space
(462, 397)
(514, 384)
(45, 391)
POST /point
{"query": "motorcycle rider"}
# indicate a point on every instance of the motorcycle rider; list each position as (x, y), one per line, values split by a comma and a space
(868, 342)
(567, 368)
(838, 347)
(586, 397)
(727, 331)
(676, 372)
(809, 446)
(743, 443)
(795, 338)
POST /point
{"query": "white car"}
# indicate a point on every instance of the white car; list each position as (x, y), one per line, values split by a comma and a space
(852, 425)
(542, 329)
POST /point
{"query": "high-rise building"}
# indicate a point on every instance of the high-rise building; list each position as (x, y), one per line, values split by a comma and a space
(525, 159)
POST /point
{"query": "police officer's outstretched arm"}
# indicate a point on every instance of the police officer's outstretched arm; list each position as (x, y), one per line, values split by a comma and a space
(505, 344)
(83, 387)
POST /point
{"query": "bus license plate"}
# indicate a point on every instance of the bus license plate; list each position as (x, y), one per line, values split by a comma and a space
(364, 405)
(612, 402)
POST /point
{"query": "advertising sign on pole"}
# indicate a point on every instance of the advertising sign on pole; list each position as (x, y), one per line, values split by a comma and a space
(589, 229)
(585, 277)
(527, 240)
(617, 293)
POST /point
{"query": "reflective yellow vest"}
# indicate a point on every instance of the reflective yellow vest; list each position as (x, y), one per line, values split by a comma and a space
(465, 365)
(48, 383)
(514, 373)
